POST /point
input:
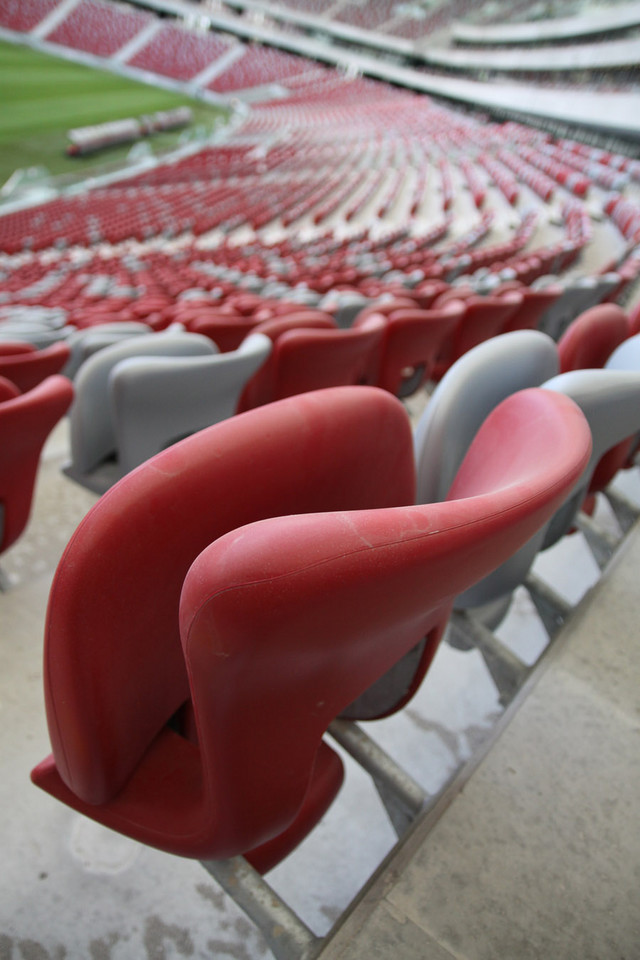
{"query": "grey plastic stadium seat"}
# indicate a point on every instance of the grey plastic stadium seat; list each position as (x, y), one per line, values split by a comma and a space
(92, 433)
(472, 387)
(610, 401)
(344, 305)
(55, 318)
(465, 396)
(578, 296)
(38, 335)
(156, 401)
(84, 343)
(626, 356)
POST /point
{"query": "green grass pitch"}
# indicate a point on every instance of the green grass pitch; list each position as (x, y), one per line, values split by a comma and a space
(43, 96)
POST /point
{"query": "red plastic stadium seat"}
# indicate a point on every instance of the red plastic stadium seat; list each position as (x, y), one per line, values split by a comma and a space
(592, 337)
(483, 318)
(625, 357)
(302, 320)
(534, 304)
(307, 359)
(264, 632)
(26, 420)
(30, 368)
(385, 308)
(9, 348)
(412, 342)
(226, 331)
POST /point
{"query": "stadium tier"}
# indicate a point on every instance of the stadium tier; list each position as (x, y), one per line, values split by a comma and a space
(178, 53)
(258, 66)
(327, 414)
(99, 28)
(22, 17)
(369, 16)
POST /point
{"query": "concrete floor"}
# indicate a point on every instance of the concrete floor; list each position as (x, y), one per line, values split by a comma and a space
(71, 889)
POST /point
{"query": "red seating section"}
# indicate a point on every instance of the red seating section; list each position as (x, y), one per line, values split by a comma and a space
(27, 369)
(259, 65)
(178, 53)
(84, 27)
(410, 203)
(22, 17)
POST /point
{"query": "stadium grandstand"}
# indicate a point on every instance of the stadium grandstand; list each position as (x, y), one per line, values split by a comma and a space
(319, 479)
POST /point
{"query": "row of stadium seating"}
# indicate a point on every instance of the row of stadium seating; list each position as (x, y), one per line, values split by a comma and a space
(178, 53)
(464, 398)
(141, 40)
(99, 28)
(23, 17)
(252, 352)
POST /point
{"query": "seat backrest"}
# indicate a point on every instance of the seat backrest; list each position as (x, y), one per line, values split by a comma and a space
(299, 320)
(85, 342)
(226, 331)
(39, 335)
(465, 396)
(426, 293)
(412, 341)
(624, 357)
(535, 303)
(282, 622)
(579, 295)
(460, 291)
(592, 337)
(484, 317)
(29, 369)
(92, 434)
(26, 420)
(259, 389)
(156, 401)
(340, 449)
(311, 359)
(384, 307)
